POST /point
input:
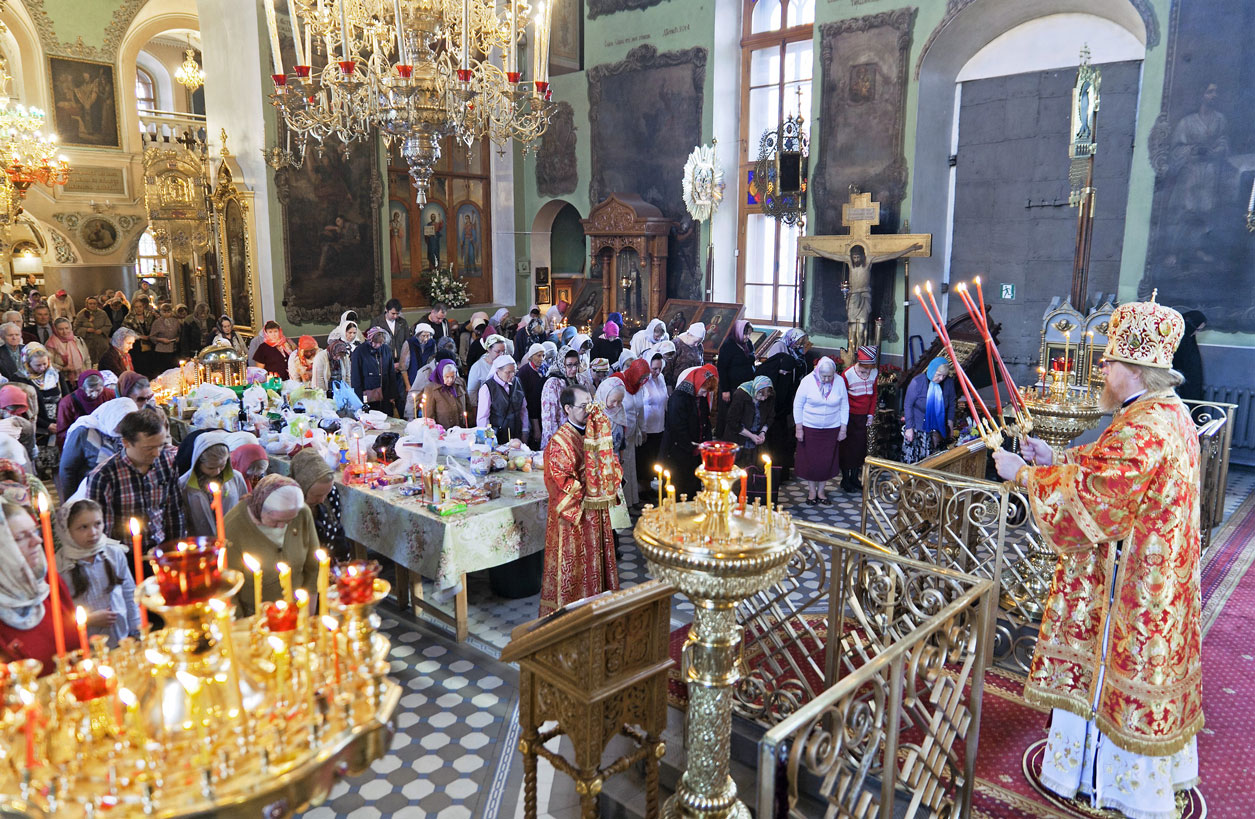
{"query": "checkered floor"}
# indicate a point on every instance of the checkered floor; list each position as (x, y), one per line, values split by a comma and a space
(454, 753)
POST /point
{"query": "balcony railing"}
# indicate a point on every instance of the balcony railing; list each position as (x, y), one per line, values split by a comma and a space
(162, 128)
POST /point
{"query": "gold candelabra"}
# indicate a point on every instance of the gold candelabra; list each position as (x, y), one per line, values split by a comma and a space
(211, 715)
(717, 552)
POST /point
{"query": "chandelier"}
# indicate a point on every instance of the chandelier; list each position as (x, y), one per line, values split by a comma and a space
(189, 74)
(28, 154)
(414, 71)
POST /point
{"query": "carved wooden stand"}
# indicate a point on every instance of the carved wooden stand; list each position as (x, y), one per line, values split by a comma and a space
(599, 670)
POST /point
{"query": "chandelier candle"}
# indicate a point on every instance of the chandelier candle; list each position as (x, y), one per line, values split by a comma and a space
(276, 57)
(396, 10)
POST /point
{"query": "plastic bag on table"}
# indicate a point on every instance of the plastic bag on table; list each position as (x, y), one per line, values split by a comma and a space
(255, 398)
(459, 472)
(345, 399)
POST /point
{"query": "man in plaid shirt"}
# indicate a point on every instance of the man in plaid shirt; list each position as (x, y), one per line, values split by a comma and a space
(141, 481)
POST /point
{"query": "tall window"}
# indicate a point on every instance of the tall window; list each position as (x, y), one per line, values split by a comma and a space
(148, 260)
(776, 57)
(145, 90)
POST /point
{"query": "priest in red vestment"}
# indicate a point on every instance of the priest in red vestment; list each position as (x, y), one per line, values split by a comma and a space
(1119, 656)
(582, 474)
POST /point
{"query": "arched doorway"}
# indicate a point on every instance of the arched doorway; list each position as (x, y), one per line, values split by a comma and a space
(557, 250)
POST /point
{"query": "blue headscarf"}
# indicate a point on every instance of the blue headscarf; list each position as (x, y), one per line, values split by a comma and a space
(935, 407)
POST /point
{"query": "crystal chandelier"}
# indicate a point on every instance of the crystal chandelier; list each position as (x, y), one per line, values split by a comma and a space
(413, 70)
(189, 74)
(28, 155)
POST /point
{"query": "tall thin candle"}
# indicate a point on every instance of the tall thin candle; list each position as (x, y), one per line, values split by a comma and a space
(344, 32)
(512, 52)
(276, 57)
(215, 490)
(975, 313)
(396, 10)
(324, 576)
(333, 626)
(301, 59)
(1067, 345)
(658, 472)
(80, 619)
(285, 582)
(254, 566)
(466, 35)
(767, 470)
(137, 547)
(54, 580)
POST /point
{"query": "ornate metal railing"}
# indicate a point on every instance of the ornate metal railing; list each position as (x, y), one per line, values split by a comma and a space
(968, 525)
(1215, 421)
(896, 734)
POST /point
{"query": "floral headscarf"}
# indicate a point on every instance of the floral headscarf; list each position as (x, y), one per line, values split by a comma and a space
(266, 487)
(761, 382)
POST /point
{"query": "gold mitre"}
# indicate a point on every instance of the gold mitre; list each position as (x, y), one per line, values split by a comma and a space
(1144, 333)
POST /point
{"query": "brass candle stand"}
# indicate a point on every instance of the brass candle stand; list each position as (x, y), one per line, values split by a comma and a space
(1062, 413)
(210, 716)
(718, 555)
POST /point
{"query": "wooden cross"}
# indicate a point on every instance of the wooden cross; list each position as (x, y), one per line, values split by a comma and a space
(860, 214)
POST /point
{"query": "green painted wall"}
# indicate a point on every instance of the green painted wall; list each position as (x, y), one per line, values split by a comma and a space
(566, 243)
(88, 19)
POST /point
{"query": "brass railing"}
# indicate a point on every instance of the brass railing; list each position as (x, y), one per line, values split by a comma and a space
(896, 734)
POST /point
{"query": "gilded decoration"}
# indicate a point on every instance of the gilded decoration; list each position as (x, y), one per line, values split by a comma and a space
(176, 201)
(107, 51)
(233, 214)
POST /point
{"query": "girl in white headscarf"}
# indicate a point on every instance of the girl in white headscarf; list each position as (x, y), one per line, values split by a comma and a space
(211, 463)
(655, 332)
(653, 411)
(583, 345)
(96, 568)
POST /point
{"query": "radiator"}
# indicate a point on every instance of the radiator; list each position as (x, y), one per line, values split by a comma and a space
(1243, 446)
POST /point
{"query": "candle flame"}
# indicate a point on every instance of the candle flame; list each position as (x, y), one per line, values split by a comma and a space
(767, 460)
(43, 504)
(322, 556)
(134, 525)
(302, 597)
(928, 285)
(219, 607)
(190, 683)
(80, 615)
(283, 568)
(976, 279)
(917, 291)
(251, 562)
(277, 644)
(128, 698)
(330, 623)
(214, 488)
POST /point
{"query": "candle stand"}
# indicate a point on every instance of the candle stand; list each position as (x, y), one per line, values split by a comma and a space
(717, 554)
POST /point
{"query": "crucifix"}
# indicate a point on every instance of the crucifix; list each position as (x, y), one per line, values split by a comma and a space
(859, 250)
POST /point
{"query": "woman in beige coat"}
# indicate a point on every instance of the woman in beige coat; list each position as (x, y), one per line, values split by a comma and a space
(273, 524)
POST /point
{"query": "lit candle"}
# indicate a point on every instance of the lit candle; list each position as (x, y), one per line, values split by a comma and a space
(215, 489)
(302, 615)
(464, 420)
(332, 627)
(744, 486)
(228, 644)
(80, 617)
(324, 577)
(658, 472)
(280, 650)
(138, 549)
(273, 26)
(767, 470)
(255, 567)
(54, 580)
(671, 501)
(285, 581)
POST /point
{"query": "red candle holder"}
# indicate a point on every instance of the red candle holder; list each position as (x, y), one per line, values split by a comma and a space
(187, 570)
(280, 80)
(464, 75)
(280, 616)
(405, 71)
(542, 88)
(355, 581)
(347, 67)
(91, 682)
(514, 76)
(302, 71)
(718, 456)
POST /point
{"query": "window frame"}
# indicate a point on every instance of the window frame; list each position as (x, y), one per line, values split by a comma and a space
(144, 77)
(751, 42)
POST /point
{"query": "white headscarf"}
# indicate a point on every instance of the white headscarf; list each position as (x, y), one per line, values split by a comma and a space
(625, 358)
(607, 389)
(288, 498)
(204, 441)
(696, 332)
(579, 341)
(644, 339)
(22, 589)
(105, 418)
(498, 316)
(502, 360)
(661, 349)
(533, 350)
(423, 327)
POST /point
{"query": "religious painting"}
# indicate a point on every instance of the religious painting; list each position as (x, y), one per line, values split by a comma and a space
(645, 114)
(563, 291)
(864, 73)
(435, 236)
(84, 103)
(597, 8)
(468, 232)
(863, 83)
(719, 319)
(238, 267)
(557, 172)
(542, 277)
(1200, 251)
(98, 234)
(398, 240)
(586, 305)
(331, 233)
(678, 314)
(566, 37)
(543, 295)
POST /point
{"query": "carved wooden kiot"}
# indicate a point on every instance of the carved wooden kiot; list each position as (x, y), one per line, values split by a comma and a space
(624, 220)
(599, 670)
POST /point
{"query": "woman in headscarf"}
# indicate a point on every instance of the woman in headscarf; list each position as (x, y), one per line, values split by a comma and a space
(666, 348)
(928, 412)
(250, 462)
(333, 363)
(688, 424)
(226, 334)
(375, 380)
(625, 360)
(532, 333)
(37, 369)
(689, 351)
(736, 366)
(272, 354)
(612, 396)
(444, 397)
(91, 440)
(1188, 360)
(634, 380)
(502, 406)
(599, 368)
(117, 359)
(469, 347)
(583, 345)
(69, 352)
(551, 357)
(533, 380)
(211, 463)
(751, 410)
(26, 624)
(301, 362)
(348, 330)
(274, 525)
(91, 393)
(786, 367)
(165, 332)
(140, 320)
(502, 322)
(821, 412)
(608, 345)
(322, 496)
(860, 386)
(553, 316)
(564, 374)
(419, 348)
(653, 409)
(446, 350)
(653, 333)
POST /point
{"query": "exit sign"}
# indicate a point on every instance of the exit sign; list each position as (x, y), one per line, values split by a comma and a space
(1007, 292)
